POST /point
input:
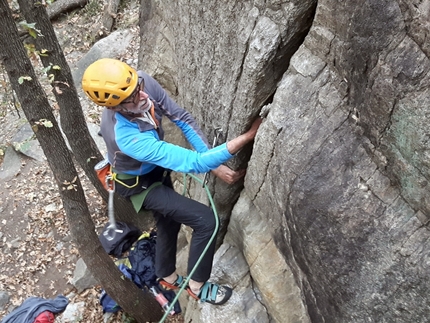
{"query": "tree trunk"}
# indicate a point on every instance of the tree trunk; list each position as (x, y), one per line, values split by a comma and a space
(61, 6)
(72, 118)
(109, 14)
(37, 109)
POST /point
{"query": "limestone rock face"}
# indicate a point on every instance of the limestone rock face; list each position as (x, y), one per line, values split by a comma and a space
(338, 181)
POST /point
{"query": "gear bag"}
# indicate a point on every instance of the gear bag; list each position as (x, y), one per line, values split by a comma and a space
(122, 241)
(139, 267)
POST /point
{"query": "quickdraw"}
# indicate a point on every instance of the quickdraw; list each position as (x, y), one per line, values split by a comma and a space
(218, 132)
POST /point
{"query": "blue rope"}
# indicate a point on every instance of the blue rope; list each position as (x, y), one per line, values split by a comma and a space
(184, 284)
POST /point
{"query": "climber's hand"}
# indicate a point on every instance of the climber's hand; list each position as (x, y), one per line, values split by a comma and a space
(228, 175)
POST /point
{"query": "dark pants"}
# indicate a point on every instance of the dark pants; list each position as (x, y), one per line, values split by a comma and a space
(170, 211)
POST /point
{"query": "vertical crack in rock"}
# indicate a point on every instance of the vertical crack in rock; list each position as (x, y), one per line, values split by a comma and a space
(266, 166)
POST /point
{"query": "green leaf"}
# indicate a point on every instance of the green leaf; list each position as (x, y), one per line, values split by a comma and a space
(46, 123)
(21, 79)
(46, 69)
(22, 146)
(32, 33)
(31, 28)
(43, 52)
(30, 48)
(26, 25)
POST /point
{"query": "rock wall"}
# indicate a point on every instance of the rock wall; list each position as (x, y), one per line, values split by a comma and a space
(338, 176)
(222, 59)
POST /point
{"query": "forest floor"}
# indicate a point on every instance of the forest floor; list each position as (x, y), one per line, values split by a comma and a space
(37, 255)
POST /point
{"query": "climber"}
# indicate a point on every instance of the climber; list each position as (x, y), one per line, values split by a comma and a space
(142, 160)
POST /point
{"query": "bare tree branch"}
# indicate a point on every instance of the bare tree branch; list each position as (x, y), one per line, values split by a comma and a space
(109, 14)
(62, 6)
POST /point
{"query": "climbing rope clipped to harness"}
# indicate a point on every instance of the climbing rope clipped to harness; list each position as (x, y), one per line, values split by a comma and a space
(104, 173)
(185, 284)
(218, 132)
(107, 177)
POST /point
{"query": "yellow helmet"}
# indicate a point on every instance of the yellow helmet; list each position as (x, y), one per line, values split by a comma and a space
(109, 81)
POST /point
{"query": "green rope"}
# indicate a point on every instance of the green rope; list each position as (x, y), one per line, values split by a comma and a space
(184, 285)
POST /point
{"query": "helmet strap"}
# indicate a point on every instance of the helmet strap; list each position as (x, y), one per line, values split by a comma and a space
(138, 113)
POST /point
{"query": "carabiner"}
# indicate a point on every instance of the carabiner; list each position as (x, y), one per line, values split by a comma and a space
(218, 132)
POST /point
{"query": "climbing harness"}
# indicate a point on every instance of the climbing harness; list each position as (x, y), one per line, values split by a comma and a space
(112, 229)
(108, 176)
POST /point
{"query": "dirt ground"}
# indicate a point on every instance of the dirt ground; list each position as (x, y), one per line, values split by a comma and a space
(37, 255)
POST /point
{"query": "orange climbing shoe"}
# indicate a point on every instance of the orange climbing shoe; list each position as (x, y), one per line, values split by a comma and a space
(172, 286)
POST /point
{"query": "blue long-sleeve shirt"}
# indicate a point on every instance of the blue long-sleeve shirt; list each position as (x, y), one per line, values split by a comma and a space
(135, 147)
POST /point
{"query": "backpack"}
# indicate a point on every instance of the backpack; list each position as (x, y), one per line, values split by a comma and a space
(139, 267)
(108, 304)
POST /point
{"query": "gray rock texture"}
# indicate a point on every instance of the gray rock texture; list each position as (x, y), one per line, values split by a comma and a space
(82, 278)
(337, 187)
(110, 46)
(4, 299)
(222, 62)
(243, 306)
(273, 279)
